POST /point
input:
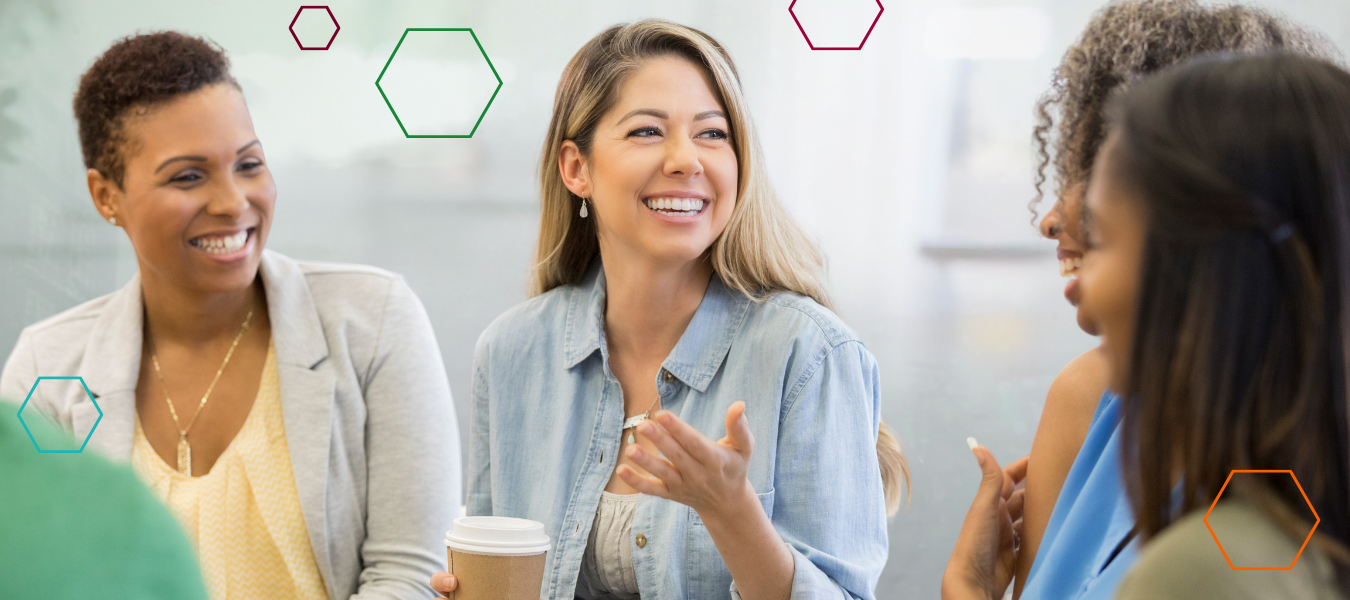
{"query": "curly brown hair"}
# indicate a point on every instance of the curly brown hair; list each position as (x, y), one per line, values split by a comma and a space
(135, 74)
(1127, 41)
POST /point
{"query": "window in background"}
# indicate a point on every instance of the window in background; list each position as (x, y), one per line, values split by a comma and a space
(993, 62)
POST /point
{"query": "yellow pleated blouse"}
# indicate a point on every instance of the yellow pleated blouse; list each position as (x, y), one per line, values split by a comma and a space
(244, 516)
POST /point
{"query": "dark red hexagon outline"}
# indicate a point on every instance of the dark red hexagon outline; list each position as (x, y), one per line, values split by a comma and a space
(291, 28)
(1316, 520)
(881, 9)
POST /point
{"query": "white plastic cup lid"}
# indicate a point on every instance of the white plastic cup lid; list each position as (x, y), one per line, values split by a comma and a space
(497, 536)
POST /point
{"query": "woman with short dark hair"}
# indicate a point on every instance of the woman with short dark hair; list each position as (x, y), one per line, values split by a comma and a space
(282, 409)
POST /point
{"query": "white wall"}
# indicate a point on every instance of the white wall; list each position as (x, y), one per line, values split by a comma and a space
(881, 152)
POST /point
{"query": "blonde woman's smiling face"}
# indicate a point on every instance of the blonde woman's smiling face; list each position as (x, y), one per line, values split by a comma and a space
(662, 174)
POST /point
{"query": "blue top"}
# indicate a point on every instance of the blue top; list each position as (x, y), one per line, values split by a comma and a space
(1088, 544)
(548, 412)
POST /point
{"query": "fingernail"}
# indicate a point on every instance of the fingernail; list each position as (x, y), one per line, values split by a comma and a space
(664, 418)
(970, 441)
(645, 428)
(448, 581)
(634, 451)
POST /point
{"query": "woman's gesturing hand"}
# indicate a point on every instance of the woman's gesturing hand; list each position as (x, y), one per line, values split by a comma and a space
(692, 469)
(985, 557)
(710, 477)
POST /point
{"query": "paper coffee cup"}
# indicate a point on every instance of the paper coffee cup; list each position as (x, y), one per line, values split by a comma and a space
(501, 558)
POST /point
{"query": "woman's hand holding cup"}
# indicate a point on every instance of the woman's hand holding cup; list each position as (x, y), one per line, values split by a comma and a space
(443, 583)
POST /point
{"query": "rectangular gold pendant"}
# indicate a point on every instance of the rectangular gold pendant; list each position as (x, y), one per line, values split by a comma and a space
(184, 456)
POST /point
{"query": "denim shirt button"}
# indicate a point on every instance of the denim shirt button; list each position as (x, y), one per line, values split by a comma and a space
(668, 376)
(641, 541)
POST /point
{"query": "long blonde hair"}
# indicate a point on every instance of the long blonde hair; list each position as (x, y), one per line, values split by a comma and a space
(761, 251)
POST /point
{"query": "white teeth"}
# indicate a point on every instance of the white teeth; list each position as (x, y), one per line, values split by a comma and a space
(1068, 267)
(681, 206)
(221, 245)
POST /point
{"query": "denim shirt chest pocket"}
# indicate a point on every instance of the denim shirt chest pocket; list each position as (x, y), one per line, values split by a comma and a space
(706, 575)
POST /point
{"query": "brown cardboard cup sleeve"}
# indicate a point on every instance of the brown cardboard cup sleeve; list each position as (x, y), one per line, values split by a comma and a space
(496, 557)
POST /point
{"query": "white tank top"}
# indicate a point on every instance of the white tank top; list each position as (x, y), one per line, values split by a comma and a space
(607, 565)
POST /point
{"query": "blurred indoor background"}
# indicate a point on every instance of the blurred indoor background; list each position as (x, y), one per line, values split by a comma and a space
(910, 161)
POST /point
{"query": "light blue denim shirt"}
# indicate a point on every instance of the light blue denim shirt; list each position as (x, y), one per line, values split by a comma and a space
(547, 414)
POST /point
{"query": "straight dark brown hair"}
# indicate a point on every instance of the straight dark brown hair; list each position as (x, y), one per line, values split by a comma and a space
(1238, 359)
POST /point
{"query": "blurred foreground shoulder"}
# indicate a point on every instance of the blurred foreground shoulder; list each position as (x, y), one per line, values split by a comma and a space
(72, 523)
(1184, 562)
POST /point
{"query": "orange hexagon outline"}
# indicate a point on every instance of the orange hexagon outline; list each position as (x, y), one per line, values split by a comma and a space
(1316, 519)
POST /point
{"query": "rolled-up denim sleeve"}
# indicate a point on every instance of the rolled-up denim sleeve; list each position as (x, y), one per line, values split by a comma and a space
(829, 504)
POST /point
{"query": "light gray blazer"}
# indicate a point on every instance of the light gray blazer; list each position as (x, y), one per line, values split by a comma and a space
(366, 404)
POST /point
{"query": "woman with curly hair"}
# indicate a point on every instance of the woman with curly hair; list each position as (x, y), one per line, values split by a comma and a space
(282, 409)
(1076, 531)
(1216, 269)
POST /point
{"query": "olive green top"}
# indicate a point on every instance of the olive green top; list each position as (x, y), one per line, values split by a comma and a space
(1184, 562)
(76, 526)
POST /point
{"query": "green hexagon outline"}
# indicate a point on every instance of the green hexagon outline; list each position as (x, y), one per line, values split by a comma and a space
(395, 53)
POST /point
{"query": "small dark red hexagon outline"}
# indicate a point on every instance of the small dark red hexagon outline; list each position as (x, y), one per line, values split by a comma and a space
(1316, 520)
(336, 27)
(880, 9)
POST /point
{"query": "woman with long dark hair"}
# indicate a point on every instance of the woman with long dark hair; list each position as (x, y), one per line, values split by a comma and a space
(1068, 549)
(1215, 271)
(1076, 519)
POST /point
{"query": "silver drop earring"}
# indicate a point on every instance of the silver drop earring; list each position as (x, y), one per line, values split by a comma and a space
(584, 213)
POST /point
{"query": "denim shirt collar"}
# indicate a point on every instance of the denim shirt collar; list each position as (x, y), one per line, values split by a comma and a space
(701, 349)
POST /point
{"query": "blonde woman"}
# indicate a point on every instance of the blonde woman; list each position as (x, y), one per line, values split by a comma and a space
(676, 403)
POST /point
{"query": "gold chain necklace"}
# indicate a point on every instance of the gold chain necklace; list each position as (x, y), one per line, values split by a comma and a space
(633, 421)
(185, 449)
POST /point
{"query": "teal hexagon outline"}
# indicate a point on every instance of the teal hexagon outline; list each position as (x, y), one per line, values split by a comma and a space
(30, 432)
(391, 60)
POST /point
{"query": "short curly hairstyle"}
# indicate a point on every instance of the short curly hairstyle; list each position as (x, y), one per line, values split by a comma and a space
(1127, 41)
(135, 74)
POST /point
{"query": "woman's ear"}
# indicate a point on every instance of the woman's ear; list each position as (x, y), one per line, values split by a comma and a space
(572, 167)
(107, 196)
